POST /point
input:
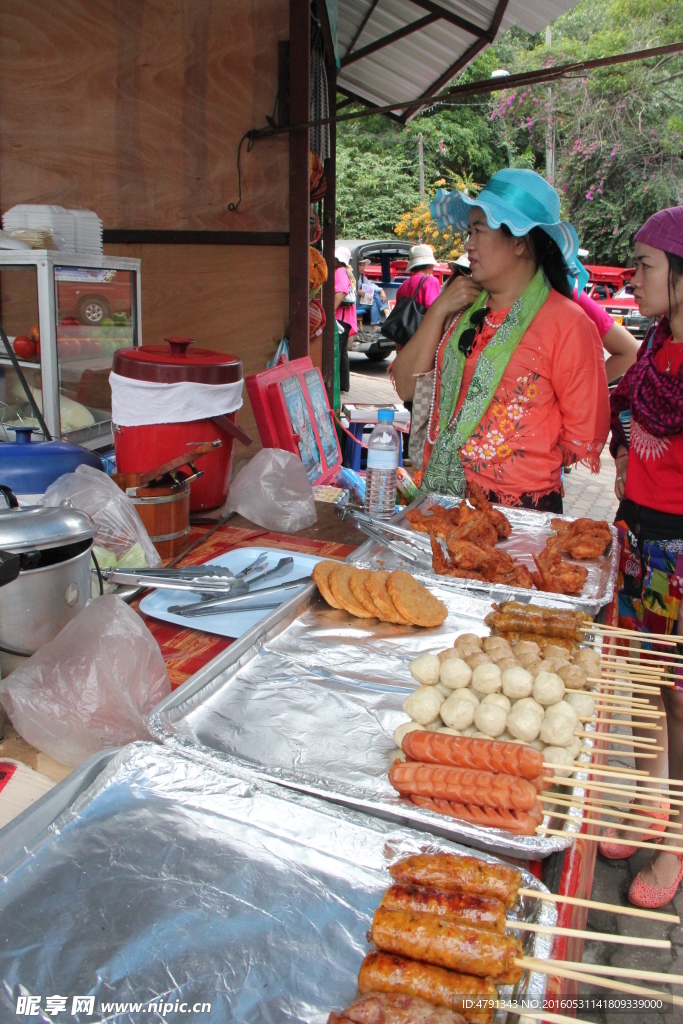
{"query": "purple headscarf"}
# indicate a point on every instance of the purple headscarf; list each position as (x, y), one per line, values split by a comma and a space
(664, 230)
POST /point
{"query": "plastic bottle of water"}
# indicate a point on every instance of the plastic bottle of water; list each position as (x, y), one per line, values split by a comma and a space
(380, 480)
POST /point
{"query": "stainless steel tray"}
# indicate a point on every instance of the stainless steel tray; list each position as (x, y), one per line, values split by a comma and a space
(166, 881)
(530, 531)
(310, 699)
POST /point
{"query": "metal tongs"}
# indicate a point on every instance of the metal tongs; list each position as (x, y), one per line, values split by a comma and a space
(393, 537)
(204, 579)
(266, 597)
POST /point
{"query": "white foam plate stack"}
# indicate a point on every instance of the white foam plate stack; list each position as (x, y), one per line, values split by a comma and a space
(88, 232)
(72, 230)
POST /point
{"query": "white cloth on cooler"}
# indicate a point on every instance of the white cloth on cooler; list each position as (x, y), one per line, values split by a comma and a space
(138, 403)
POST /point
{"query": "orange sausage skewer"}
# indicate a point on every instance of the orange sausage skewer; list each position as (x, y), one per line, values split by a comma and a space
(473, 753)
(460, 874)
(485, 789)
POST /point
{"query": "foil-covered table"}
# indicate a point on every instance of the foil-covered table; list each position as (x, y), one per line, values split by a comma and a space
(166, 882)
(530, 531)
(311, 698)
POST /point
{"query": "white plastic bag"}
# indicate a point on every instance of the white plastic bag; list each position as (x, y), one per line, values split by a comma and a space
(91, 687)
(121, 541)
(273, 491)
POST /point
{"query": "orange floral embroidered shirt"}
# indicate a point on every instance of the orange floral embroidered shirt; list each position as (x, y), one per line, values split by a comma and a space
(550, 409)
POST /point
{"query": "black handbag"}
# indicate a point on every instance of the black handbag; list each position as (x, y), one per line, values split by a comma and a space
(405, 318)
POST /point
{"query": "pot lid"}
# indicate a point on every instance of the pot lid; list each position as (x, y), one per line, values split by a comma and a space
(35, 527)
(174, 362)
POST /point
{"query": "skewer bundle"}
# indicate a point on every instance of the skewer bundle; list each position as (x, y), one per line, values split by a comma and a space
(443, 937)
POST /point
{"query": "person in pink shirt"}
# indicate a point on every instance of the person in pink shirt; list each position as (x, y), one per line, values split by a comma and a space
(421, 283)
(621, 346)
(344, 310)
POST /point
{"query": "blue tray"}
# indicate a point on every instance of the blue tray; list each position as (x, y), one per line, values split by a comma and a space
(232, 623)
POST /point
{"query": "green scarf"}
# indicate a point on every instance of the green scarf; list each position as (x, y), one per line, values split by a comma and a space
(444, 473)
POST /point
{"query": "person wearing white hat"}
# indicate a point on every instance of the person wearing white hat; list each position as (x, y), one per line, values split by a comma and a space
(514, 368)
(344, 310)
(421, 283)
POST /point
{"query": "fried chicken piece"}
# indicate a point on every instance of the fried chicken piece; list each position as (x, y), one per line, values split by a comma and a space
(438, 523)
(475, 527)
(582, 539)
(442, 566)
(520, 577)
(482, 504)
(558, 577)
(466, 555)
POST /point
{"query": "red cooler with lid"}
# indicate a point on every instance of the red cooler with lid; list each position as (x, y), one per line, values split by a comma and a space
(169, 398)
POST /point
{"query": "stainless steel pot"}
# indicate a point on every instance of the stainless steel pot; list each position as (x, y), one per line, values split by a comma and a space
(53, 585)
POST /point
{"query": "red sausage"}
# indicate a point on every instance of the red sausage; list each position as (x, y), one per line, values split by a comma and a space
(470, 752)
(481, 788)
(522, 823)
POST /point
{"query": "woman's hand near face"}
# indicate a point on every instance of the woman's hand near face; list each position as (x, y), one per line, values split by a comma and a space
(621, 461)
(458, 294)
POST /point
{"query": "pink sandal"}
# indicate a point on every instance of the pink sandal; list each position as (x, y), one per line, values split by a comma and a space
(649, 896)
(619, 851)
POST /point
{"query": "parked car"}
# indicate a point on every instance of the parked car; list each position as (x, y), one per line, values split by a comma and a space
(624, 308)
(605, 282)
(388, 262)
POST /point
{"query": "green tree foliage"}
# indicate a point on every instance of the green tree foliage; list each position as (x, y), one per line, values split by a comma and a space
(617, 132)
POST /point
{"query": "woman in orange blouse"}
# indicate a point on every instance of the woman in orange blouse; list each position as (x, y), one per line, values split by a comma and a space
(519, 386)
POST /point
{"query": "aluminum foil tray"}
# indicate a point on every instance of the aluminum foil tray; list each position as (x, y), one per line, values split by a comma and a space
(164, 881)
(530, 531)
(312, 701)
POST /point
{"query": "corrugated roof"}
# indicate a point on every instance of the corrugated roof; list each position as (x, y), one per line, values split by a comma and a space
(451, 33)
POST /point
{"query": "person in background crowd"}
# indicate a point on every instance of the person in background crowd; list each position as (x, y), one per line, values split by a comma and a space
(621, 346)
(421, 282)
(371, 298)
(519, 387)
(344, 310)
(647, 445)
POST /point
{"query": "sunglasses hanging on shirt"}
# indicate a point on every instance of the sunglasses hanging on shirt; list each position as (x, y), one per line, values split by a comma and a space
(468, 338)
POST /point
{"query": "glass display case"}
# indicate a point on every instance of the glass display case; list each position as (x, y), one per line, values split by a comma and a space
(65, 315)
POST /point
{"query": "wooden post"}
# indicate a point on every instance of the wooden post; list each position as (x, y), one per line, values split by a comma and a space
(299, 190)
(329, 206)
(329, 240)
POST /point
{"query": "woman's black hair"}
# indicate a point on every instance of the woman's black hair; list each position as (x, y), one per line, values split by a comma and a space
(675, 274)
(547, 255)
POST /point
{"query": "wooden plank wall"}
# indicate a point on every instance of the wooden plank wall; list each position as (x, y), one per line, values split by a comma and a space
(202, 292)
(135, 109)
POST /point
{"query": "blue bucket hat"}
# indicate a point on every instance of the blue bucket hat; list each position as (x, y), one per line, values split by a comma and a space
(520, 199)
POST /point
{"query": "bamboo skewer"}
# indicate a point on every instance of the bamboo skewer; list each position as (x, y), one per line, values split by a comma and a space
(642, 662)
(650, 832)
(623, 773)
(619, 842)
(629, 709)
(627, 972)
(623, 741)
(646, 667)
(576, 901)
(636, 687)
(634, 652)
(578, 933)
(608, 787)
(556, 969)
(613, 813)
(633, 634)
(641, 725)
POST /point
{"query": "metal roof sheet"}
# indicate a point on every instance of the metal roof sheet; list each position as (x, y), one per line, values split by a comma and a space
(412, 64)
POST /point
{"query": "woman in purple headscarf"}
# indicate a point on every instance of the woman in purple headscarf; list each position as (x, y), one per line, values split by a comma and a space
(647, 445)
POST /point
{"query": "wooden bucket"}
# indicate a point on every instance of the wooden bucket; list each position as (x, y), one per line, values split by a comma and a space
(164, 510)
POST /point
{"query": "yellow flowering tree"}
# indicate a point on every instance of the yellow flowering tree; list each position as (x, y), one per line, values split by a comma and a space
(418, 226)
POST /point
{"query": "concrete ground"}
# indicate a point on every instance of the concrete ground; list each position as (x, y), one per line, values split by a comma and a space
(591, 496)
